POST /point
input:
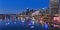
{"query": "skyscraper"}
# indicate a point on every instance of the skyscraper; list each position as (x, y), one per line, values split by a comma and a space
(59, 6)
(53, 7)
(27, 11)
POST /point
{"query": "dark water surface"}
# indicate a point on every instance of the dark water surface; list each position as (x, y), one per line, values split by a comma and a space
(18, 25)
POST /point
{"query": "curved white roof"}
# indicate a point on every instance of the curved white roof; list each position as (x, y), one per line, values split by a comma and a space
(35, 13)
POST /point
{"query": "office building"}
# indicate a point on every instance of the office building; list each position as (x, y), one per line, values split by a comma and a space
(59, 6)
(53, 7)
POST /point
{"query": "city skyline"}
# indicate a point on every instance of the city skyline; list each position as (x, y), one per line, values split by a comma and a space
(16, 6)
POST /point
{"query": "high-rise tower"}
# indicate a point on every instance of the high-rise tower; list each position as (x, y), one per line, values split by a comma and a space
(53, 7)
(27, 11)
(59, 6)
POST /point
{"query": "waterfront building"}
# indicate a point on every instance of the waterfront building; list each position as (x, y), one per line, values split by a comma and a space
(43, 11)
(27, 11)
(59, 6)
(30, 12)
(35, 13)
(53, 7)
(47, 11)
(7, 16)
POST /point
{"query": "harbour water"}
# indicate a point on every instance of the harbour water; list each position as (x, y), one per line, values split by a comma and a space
(19, 25)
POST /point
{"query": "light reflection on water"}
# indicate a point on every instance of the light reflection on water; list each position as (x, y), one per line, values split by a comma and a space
(18, 23)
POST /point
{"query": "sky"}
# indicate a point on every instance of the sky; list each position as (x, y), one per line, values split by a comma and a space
(17, 6)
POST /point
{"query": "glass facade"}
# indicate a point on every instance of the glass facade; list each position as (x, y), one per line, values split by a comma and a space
(59, 6)
(54, 6)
